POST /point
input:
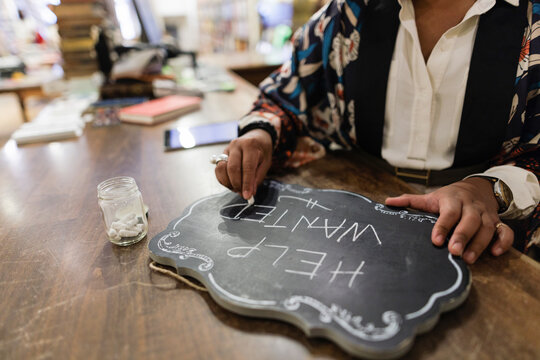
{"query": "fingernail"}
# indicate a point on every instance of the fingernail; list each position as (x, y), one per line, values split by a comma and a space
(457, 247)
(439, 240)
(247, 195)
(470, 256)
(497, 251)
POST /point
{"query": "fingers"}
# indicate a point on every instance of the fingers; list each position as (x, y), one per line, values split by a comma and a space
(449, 209)
(221, 174)
(250, 157)
(450, 213)
(481, 239)
(260, 174)
(250, 163)
(221, 171)
(420, 202)
(234, 169)
(504, 241)
(465, 208)
(469, 224)
(407, 200)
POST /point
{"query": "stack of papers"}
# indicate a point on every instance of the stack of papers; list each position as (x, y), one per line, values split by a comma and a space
(57, 121)
(41, 132)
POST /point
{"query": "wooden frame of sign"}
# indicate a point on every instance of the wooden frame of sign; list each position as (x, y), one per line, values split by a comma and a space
(334, 263)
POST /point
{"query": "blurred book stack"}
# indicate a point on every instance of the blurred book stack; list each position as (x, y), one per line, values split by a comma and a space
(76, 20)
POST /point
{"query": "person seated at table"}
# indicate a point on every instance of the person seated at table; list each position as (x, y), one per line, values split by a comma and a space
(441, 91)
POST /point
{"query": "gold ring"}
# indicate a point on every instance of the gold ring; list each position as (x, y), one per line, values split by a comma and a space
(498, 225)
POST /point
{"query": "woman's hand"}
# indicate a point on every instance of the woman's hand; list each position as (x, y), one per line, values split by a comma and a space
(471, 207)
(250, 157)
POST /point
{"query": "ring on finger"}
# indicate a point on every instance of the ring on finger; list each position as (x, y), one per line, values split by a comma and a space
(215, 159)
(499, 224)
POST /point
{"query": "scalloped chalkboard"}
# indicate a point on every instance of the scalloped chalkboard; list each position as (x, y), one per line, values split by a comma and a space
(334, 263)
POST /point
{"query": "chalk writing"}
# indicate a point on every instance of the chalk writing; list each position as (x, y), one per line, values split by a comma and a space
(355, 230)
(326, 227)
(404, 214)
(236, 252)
(309, 202)
(245, 251)
(317, 264)
(356, 236)
(275, 225)
(353, 273)
(286, 248)
(310, 224)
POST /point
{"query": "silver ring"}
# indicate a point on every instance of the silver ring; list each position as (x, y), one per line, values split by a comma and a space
(215, 159)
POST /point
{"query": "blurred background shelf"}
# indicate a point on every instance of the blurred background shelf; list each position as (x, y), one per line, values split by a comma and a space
(58, 41)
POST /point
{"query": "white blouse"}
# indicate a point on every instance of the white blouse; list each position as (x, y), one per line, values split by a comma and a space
(424, 101)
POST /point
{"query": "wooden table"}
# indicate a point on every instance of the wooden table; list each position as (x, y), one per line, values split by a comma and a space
(68, 293)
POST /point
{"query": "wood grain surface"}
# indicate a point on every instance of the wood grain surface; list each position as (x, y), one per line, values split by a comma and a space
(68, 293)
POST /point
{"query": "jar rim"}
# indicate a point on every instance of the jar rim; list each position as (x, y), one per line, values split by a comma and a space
(115, 187)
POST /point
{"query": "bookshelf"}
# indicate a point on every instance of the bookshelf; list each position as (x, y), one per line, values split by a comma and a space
(228, 25)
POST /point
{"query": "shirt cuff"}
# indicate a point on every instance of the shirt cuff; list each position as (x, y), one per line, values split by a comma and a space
(524, 186)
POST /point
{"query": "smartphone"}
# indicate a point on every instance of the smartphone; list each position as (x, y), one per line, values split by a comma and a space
(186, 138)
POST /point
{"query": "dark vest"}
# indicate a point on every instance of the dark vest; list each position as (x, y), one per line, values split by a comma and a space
(490, 84)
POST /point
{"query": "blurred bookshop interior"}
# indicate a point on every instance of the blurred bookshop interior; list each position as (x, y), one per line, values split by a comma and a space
(110, 49)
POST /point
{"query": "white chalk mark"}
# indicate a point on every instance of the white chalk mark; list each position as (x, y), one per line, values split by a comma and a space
(265, 215)
(404, 214)
(241, 211)
(356, 236)
(308, 202)
(353, 273)
(347, 192)
(280, 256)
(310, 224)
(311, 204)
(326, 227)
(244, 207)
(239, 298)
(249, 248)
(317, 264)
(275, 224)
(348, 321)
(439, 294)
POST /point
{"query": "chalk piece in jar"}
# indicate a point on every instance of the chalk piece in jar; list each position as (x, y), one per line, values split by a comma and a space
(128, 217)
(128, 233)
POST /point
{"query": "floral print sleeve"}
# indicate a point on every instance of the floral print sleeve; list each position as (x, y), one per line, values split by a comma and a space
(302, 104)
(522, 145)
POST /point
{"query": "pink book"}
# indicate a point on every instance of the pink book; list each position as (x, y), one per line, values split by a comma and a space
(159, 110)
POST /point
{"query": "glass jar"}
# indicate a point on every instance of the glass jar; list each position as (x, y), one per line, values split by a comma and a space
(123, 211)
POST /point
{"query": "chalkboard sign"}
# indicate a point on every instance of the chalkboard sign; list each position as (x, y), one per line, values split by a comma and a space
(334, 263)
